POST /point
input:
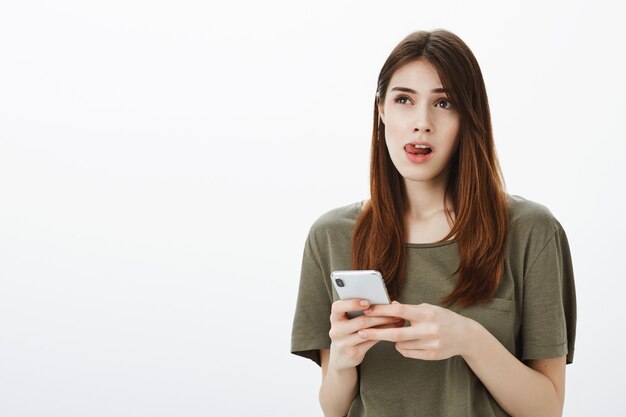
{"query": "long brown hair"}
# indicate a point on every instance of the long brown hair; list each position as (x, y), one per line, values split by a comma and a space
(475, 185)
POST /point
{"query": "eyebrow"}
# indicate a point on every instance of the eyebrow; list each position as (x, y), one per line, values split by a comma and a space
(410, 90)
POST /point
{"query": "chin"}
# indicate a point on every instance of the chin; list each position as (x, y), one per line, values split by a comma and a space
(421, 175)
(419, 178)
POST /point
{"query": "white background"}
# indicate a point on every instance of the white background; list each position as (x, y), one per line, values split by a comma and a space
(161, 163)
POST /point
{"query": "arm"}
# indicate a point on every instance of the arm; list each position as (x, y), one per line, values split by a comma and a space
(339, 387)
(542, 382)
(437, 333)
(347, 350)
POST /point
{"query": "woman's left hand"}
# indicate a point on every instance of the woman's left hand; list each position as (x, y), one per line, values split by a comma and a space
(435, 332)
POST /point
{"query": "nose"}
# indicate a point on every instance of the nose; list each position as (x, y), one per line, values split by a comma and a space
(422, 121)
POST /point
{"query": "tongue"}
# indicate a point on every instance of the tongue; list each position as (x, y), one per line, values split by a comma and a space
(417, 151)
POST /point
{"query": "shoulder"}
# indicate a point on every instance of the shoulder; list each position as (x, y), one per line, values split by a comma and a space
(531, 225)
(334, 227)
(340, 217)
(526, 214)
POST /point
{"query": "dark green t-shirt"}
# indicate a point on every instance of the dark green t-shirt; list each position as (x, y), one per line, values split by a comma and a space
(533, 313)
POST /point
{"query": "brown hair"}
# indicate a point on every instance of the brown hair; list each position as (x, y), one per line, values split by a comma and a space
(475, 185)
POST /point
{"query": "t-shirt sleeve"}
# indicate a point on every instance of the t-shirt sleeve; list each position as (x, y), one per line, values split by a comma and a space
(549, 313)
(311, 322)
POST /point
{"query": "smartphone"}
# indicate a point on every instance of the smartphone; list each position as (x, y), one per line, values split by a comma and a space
(367, 284)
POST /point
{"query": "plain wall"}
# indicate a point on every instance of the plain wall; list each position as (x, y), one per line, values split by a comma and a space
(161, 164)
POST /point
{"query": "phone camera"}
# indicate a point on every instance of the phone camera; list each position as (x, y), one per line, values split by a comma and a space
(339, 282)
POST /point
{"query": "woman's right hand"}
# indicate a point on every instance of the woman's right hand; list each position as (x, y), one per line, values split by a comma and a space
(347, 348)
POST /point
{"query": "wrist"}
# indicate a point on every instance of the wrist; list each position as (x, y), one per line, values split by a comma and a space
(340, 371)
(473, 339)
(340, 376)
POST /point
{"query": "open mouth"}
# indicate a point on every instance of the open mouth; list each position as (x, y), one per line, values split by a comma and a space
(418, 149)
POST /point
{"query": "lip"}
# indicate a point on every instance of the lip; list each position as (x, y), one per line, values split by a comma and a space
(421, 142)
(418, 159)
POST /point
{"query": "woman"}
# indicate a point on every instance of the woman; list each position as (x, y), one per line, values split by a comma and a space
(484, 312)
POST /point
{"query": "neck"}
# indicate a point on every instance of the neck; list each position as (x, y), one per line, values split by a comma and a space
(426, 198)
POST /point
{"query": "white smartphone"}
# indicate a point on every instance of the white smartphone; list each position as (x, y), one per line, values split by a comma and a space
(367, 284)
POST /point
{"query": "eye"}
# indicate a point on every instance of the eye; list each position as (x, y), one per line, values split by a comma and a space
(447, 102)
(400, 98)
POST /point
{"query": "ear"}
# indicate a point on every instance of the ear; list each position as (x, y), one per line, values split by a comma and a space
(381, 111)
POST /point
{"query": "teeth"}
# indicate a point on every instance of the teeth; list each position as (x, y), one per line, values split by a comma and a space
(422, 146)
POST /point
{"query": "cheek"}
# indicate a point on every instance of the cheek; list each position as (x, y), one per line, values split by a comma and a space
(394, 130)
(395, 120)
(451, 132)
(394, 139)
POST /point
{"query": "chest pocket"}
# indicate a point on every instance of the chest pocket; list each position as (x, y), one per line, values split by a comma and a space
(497, 316)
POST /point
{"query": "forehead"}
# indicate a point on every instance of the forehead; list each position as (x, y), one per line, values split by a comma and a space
(418, 75)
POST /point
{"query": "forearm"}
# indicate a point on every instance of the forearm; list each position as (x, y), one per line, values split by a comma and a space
(337, 391)
(519, 390)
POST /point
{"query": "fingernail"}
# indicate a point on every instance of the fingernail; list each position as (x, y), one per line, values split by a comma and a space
(362, 334)
(365, 303)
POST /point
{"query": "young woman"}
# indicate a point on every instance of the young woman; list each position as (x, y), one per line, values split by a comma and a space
(483, 316)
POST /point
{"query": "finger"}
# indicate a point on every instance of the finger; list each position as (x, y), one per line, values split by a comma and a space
(412, 353)
(389, 310)
(395, 309)
(423, 354)
(420, 337)
(340, 307)
(390, 335)
(351, 341)
(365, 346)
(358, 349)
(364, 322)
(419, 344)
(393, 325)
(342, 328)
